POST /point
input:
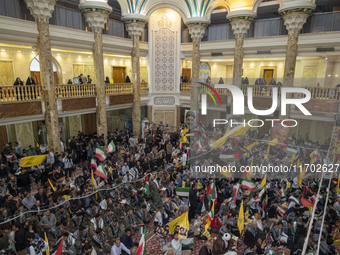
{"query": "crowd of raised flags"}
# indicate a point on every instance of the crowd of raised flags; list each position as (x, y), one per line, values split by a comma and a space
(240, 206)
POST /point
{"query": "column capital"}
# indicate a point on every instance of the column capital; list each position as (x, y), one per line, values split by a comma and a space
(41, 9)
(197, 31)
(295, 18)
(134, 27)
(96, 13)
(240, 21)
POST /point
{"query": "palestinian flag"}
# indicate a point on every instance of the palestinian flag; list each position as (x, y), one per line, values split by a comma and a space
(147, 184)
(111, 147)
(93, 163)
(317, 155)
(141, 229)
(58, 249)
(210, 215)
(231, 157)
(212, 192)
(293, 199)
(142, 244)
(100, 153)
(134, 191)
(188, 243)
(304, 201)
(287, 150)
(183, 191)
(282, 192)
(246, 184)
(281, 210)
(100, 171)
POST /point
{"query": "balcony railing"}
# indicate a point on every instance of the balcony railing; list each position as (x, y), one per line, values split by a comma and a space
(266, 91)
(66, 91)
(118, 88)
(144, 87)
(185, 87)
(20, 93)
(35, 92)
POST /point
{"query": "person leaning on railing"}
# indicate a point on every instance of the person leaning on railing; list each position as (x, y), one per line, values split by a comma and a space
(18, 82)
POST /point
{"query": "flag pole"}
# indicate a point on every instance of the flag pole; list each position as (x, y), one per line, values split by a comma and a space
(312, 218)
(323, 216)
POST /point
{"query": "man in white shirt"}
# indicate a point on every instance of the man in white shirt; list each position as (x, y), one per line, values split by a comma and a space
(125, 168)
(118, 248)
(176, 244)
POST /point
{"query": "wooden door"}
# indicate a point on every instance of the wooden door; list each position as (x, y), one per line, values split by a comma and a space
(36, 77)
(186, 72)
(89, 123)
(3, 136)
(118, 74)
(268, 75)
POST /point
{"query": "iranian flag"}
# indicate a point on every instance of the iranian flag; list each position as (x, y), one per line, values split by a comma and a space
(265, 203)
(142, 244)
(100, 171)
(231, 157)
(147, 184)
(281, 210)
(111, 147)
(210, 215)
(100, 153)
(203, 210)
(93, 163)
(236, 191)
(288, 150)
(212, 193)
(246, 184)
(282, 192)
(259, 196)
(316, 154)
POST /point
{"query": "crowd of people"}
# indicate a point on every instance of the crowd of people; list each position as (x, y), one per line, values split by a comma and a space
(63, 202)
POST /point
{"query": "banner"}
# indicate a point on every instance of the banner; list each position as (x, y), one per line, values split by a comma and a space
(183, 223)
(32, 160)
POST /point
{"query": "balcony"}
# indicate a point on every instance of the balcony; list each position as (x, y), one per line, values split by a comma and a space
(35, 93)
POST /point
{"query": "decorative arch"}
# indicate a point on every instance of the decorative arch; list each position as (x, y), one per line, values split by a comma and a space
(35, 70)
(178, 6)
(216, 4)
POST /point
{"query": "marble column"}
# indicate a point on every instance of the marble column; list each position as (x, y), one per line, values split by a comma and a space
(135, 30)
(197, 33)
(42, 10)
(96, 18)
(240, 26)
(294, 19)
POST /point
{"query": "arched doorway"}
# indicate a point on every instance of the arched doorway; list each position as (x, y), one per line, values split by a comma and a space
(35, 71)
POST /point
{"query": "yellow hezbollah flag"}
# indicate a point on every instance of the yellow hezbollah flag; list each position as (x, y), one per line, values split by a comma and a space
(249, 174)
(237, 131)
(32, 160)
(48, 246)
(226, 173)
(240, 220)
(264, 181)
(301, 176)
(250, 146)
(338, 187)
(53, 188)
(273, 142)
(182, 221)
